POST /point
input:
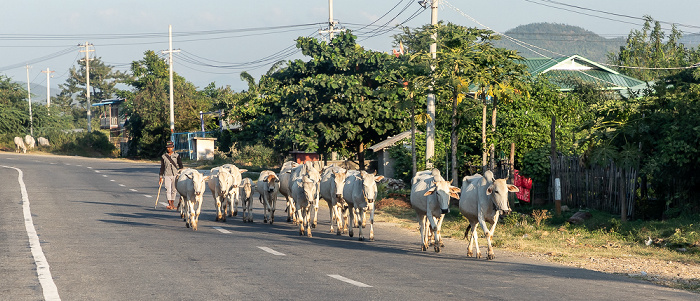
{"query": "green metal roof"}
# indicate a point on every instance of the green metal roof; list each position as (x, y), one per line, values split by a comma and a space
(561, 69)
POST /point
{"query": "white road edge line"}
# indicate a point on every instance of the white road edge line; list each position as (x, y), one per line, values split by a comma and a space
(271, 251)
(112, 180)
(122, 185)
(353, 282)
(222, 230)
(134, 190)
(148, 196)
(42, 265)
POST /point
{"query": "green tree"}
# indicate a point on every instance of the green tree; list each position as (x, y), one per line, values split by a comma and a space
(651, 48)
(335, 101)
(103, 81)
(148, 105)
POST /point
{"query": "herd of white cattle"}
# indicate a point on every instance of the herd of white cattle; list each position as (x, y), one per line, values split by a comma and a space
(29, 143)
(350, 194)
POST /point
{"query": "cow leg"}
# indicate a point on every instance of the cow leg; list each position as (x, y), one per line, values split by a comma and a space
(234, 206)
(331, 213)
(196, 217)
(490, 254)
(315, 222)
(361, 216)
(273, 204)
(351, 216)
(422, 226)
(371, 221)
(438, 236)
(308, 221)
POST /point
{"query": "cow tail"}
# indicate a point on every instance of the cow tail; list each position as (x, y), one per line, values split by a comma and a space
(466, 232)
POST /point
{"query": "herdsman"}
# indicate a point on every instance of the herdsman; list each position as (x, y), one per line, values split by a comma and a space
(170, 163)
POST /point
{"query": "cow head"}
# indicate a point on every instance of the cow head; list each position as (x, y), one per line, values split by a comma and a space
(272, 183)
(338, 183)
(443, 191)
(225, 180)
(369, 185)
(198, 181)
(310, 186)
(498, 190)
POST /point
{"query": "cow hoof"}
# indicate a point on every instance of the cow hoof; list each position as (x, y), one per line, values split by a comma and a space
(470, 254)
(289, 219)
(360, 238)
(424, 248)
(270, 222)
(309, 235)
(187, 225)
(371, 238)
(265, 221)
(235, 213)
(437, 248)
(490, 256)
(337, 233)
(313, 225)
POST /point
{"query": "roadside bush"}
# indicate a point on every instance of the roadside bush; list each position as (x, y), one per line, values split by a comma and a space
(254, 155)
(91, 144)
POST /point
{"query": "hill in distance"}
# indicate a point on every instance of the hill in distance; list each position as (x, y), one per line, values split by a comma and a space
(562, 39)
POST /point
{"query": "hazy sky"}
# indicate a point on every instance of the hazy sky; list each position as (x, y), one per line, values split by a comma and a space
(219, 39)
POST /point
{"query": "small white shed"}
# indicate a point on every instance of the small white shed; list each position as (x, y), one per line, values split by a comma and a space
(385, 163)
(204, 148)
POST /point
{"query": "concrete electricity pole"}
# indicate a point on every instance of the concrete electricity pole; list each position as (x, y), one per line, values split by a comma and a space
(48, 86)
(331, 23)
(29, 96)
(170, 61)
(87, 83)
(430, 110)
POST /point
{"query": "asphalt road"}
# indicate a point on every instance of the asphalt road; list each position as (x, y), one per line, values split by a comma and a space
(99, 238)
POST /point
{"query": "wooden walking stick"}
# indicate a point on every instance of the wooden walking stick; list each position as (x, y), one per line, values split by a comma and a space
(157, 197)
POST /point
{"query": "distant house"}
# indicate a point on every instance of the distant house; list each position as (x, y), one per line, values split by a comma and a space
(113, 121)
(561, 69)
(385, 163)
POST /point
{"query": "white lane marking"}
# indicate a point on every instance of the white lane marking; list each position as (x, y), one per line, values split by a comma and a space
(87, 167)
(134, 190)
(353, 282)
(52, 163)
(222, 230)
(66, 163)
(42, 265)
(271, 251)
(122, 185)
(78, 165)
(105, 176)
(163, 203)
(148, 196)
(97, 171)
(112, 180)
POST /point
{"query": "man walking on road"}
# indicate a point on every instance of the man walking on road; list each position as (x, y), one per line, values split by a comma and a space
(170, 163)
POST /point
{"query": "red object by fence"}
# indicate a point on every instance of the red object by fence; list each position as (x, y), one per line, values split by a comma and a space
(524, 184)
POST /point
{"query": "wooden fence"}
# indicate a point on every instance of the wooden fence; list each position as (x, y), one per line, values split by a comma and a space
(604, 188)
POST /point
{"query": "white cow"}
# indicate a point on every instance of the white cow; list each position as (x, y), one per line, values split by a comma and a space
(332, 184)
(483, 199)
(246, 193)
(191, 185)
(359, 193)
(19, 144)
(220, 182)
(285, 176)
(29, 141)
(233, 193)
(430, 197)
(43, 141)
(304, 186)
(268, 185)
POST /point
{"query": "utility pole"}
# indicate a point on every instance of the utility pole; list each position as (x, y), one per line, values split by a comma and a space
(430, 110)
(331, 23)
(87, 83)
(48, 86)
(29, 96)
(170, 61)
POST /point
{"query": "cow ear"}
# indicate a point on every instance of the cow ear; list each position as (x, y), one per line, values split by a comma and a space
(378, 178)
(189, 175)
(429, 192)
(513, 188)
(489, 190)
(454, 195)
(243, 170)
(455, 190)
(207, 178)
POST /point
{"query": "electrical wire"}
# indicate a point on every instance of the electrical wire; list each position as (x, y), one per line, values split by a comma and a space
(41, 59)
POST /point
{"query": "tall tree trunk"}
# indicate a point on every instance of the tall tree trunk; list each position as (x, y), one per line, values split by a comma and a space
(492, 148)
(413, 137)
(361, 155)
(453, 137)
(483, 138)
